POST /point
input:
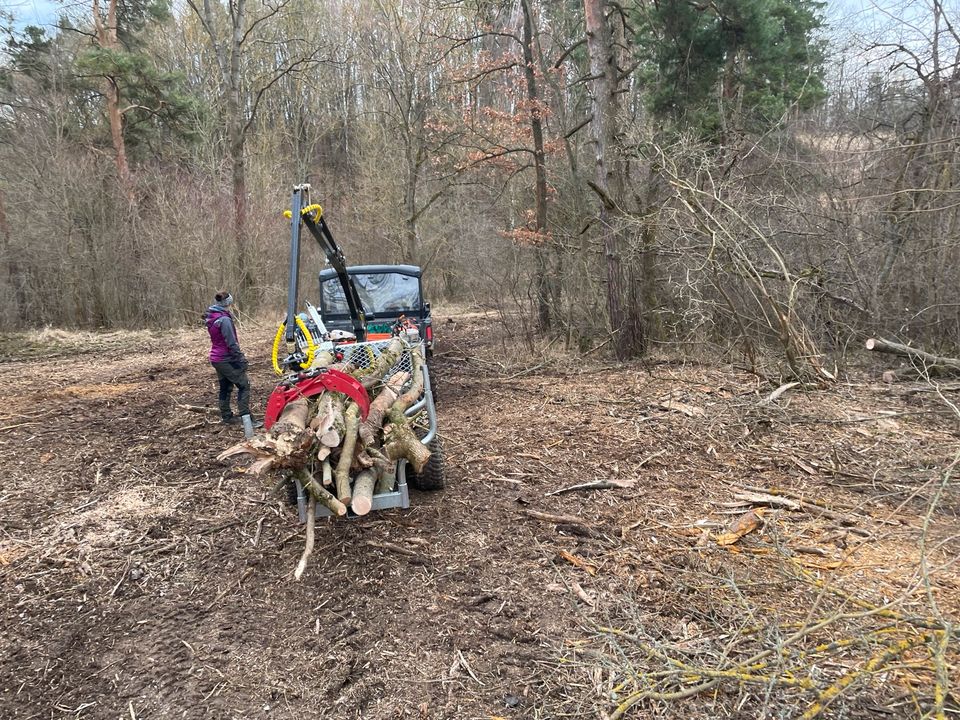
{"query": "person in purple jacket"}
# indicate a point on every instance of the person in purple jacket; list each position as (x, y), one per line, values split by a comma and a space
(227, 358)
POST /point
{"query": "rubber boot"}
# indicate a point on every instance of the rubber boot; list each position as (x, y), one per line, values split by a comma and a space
(247, 426)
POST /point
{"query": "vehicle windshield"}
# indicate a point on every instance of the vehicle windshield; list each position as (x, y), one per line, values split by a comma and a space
(379, 292)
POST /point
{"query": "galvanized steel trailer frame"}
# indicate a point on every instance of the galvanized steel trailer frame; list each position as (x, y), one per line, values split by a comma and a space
(399, 497)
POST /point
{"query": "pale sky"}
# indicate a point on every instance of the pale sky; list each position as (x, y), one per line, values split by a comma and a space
(863, 17)
(43, 13)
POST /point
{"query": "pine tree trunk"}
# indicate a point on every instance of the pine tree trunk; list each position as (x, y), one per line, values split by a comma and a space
(623, 305)
(106, 35)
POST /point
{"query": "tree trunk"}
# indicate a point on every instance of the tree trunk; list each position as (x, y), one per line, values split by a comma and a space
(543, 283)
(229, 53)
(106, 35)
(411, 245)
(623, 309)
(14, 278)
(237, 140)
(379, 407)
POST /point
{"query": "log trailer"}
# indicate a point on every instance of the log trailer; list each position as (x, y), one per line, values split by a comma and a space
(320, 343)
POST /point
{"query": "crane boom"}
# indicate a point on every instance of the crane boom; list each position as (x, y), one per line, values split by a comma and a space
(303, 213)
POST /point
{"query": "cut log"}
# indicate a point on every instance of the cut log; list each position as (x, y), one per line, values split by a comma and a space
(413, 393)
(293, 417)
(379, 459)
(362, 501)
(327, 474)
(291, 433)
(324, 358)
(320, 494)
(403, 443)
(362, 460)
(374, 372)
(925, 361)
(338, 426)
(379, 407)
(351, 418)
(325, 423)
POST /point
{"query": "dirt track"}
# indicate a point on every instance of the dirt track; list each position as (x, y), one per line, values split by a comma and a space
(140, 578)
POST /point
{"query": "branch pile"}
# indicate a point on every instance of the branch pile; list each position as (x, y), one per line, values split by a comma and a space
(340, 459)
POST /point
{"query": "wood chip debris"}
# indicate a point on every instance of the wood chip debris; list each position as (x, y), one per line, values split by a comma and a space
(743, 525)
(577, 562)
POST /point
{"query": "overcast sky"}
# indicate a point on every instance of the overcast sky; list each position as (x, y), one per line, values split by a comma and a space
(32, 12)
(860, 16)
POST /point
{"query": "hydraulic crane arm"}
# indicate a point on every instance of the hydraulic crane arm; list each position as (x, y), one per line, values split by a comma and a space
(302, 212)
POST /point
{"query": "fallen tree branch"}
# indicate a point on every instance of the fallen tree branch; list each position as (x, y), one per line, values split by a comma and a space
(308, 547)
(558, 519)
(594, 485)
(793, 502)
(393, 547)
(927, 361)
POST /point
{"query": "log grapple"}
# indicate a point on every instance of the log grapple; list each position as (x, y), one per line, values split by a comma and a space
(314, 382)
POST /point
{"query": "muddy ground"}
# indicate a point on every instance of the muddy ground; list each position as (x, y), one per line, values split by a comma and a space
(140, 578)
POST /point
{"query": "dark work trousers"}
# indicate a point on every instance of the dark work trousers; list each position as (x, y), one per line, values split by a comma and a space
(228, 375)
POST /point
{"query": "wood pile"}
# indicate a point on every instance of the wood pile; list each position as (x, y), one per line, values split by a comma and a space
(340, 458)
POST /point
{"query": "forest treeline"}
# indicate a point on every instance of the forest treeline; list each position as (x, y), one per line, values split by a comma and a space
(736, 176)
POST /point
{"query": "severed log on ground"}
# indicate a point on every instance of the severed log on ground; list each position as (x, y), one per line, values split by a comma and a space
(924, 362)
(321, 442)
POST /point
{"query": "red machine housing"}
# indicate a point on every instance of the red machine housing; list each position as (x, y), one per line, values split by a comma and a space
(308, 385)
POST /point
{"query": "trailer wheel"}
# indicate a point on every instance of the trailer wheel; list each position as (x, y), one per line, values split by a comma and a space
(433, 382)
(291, 491)
(432, 477)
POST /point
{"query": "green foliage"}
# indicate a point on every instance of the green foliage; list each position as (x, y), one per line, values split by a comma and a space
(134, 16)
(155, 103)
(740, 63)
(70, 68)
(29, 54)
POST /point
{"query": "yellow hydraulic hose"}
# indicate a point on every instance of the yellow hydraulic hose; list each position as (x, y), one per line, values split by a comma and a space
(311, 346)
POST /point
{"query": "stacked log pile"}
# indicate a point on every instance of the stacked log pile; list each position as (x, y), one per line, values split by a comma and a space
(341, 459)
